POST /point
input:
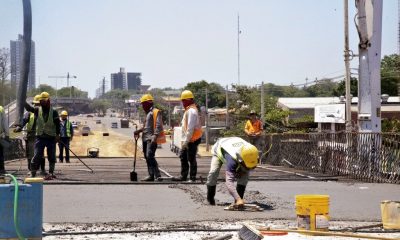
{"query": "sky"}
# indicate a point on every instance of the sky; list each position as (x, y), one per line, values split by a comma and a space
(175, 42)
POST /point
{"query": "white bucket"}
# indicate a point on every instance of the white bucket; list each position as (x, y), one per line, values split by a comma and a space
(390, 214)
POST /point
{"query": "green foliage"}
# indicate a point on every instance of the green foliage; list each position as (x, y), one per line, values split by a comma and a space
(216, 93)
(63, 92)
(42, 88)
(391, 125)
(116, 98)
(340, 89)
(390, 74)
(100, 105)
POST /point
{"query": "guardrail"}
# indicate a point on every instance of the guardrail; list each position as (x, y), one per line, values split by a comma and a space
(372, 157)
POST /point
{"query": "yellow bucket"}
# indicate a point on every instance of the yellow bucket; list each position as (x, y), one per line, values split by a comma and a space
(390, 214)
(312, 212)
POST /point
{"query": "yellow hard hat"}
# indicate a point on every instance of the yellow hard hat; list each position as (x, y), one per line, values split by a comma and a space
(44, 96)
(146, 97)
(36, 99)
(249, 155)
(186, 95)
(64, 113)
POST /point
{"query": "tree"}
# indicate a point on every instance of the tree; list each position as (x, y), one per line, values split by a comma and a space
(390, 74)
(216, 93)
(42, 88)
(340, 89)
(100, 105)
(4, 72)
(116, 98)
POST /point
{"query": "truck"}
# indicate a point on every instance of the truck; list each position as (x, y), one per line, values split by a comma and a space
(124, 123)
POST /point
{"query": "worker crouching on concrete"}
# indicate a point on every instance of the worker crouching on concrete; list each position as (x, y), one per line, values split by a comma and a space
(191, 137)
(152, 135)
(29, 121)
(240, 157)
(66, 135)
(47, 134)
(4, 137)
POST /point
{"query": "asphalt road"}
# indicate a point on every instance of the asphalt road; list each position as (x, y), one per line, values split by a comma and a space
(182, 202)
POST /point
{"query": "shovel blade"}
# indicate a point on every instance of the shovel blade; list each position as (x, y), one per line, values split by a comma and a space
(133, 176)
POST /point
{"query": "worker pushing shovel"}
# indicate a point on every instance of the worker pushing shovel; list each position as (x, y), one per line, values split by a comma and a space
(240, 157)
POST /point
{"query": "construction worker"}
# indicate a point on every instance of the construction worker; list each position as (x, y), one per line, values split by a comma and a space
(191, 137)
(253, 129)
(4, 138)
(47, 134)
(30, 122)
(66, 135)
(240, 157)
(152, 135)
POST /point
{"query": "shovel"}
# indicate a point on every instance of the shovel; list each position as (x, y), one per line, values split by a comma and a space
(133, 173)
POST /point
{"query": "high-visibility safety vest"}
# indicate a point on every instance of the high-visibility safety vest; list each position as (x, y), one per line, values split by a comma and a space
(198, 132)
(231, 145)
(68, 126)
(29, 126)
(161, 137)
(47, 127)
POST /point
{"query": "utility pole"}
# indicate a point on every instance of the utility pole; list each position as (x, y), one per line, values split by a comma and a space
(169, 111)
(347, 64)
(227, 107)
(238, 47)
(262, 102)
(207, 139)
(370, 31)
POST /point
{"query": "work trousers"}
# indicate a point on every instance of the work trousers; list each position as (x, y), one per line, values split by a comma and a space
(40, 144)
(2, 170)
(63, 144)
(188, 156)
(215, 168)
(30, 150)
(149, 151)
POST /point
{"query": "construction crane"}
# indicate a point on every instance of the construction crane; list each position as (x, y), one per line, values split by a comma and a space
(63, 77)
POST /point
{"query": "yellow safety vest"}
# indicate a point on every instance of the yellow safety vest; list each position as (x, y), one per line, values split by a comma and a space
(47, 127)
(31, 121)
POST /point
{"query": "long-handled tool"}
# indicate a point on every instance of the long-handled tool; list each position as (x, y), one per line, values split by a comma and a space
(69, 149)
(133, 173)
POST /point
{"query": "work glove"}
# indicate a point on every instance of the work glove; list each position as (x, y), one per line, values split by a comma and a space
(18, 129)
(239, 203)
(185, 146)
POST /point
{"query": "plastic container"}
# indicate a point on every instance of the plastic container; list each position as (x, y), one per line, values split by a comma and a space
(390, 214)
(312, 212)
(30, 209)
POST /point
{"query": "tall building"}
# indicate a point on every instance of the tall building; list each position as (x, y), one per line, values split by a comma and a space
(118, 80)
(16, 52)
(134, 80)
(126, 81)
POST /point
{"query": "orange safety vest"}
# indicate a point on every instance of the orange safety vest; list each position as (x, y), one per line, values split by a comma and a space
(198, 132)
(161, 137)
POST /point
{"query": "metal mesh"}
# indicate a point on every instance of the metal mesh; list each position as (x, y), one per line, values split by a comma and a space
(15, 151)
(365, 156)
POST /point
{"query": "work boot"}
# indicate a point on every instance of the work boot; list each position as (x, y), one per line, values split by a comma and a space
(148, 179)
(211, 194)
(179, 179)
(240, 190)
(33, 174)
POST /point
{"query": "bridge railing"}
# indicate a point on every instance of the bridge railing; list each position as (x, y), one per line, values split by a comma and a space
(372, 157)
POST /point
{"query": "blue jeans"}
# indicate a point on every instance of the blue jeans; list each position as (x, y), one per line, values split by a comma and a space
(40, 144)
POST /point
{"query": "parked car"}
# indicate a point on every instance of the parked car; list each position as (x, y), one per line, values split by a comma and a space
(98, 121)
(74, 125)
(114, 125)
(85, 130)
(124, 123)
(89, 115)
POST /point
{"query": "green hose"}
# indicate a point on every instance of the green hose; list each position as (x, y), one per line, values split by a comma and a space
(20, 237)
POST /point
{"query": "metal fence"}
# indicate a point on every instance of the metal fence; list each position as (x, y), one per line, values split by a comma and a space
(15, 151)
(370, 157)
